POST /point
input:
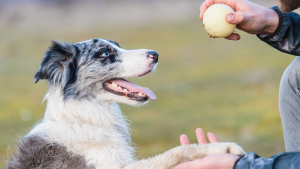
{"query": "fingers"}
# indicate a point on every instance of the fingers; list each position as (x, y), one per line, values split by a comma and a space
(212, 137)
(184, 165)
(200, 136)
(184, 140)
(195, 164)
(238, 18)
(233, 36)
(239, 27)
(206, 4)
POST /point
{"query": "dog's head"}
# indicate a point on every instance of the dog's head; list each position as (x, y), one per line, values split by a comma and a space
(96, 69)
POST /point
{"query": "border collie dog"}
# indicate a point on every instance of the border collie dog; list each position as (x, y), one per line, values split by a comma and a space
(83, 127)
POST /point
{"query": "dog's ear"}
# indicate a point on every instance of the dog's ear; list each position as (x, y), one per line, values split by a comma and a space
(58, 65)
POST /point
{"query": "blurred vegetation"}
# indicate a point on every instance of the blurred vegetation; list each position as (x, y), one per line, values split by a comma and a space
(229, 88)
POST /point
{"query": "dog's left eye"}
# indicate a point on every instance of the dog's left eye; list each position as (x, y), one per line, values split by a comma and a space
(105, 54)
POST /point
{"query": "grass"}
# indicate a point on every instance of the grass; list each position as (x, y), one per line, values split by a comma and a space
(229, 88)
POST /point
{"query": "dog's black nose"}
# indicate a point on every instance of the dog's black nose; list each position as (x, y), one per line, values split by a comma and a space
(153, 55)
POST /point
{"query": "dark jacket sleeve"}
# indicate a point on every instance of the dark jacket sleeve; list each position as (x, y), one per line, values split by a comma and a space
(286, 38)
(290, 160)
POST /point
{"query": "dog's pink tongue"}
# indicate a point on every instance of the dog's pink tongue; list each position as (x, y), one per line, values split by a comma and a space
(149, 93)
(135, 88)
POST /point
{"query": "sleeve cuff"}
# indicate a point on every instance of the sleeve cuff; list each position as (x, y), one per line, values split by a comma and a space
(280, 15)
(253, 161)
(236, 162)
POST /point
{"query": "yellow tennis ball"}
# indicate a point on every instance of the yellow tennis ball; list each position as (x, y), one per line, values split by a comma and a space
(214, 21)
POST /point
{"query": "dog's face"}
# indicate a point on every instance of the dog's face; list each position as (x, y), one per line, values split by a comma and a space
(96, 69)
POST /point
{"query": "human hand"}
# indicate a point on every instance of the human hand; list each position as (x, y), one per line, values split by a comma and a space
(184, 140)
(249, 17)
(216, 161)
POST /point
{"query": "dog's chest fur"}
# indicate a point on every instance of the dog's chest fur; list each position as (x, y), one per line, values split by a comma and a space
(77, 134)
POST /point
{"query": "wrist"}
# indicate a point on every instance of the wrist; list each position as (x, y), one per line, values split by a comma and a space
(272, 21)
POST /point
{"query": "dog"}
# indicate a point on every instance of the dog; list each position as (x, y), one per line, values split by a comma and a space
(83, 127)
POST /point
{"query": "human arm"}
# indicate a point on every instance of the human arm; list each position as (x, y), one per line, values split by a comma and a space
(248, 16)
(279, 30)
(290, 160)
(286, 37)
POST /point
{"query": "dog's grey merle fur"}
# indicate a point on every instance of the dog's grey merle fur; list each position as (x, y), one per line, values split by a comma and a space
(62, 63)
(36, 152)
(79, 70)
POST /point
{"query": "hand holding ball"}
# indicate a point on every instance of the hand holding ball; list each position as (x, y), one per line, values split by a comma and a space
(214, 21)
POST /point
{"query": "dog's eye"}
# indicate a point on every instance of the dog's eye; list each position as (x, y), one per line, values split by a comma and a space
(105, 54)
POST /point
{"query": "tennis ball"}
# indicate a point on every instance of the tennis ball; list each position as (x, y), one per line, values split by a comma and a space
(214, 21)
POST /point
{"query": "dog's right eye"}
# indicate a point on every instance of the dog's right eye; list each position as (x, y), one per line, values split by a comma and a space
(105, 54)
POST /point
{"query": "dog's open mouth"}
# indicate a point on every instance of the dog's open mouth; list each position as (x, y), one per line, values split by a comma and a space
(128, 89)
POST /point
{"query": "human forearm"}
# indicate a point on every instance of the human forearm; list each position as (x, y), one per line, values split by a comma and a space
(272, 21)
(286, 37)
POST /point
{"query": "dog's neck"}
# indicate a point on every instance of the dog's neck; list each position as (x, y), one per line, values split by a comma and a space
(82, 124)
(94, 112)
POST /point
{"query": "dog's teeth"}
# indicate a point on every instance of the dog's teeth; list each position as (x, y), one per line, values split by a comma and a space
(125, 90)
(120, 87)
(114, 84)
(140, 94)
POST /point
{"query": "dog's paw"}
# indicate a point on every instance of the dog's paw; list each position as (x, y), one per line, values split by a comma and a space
(235, 149)
(231, 148)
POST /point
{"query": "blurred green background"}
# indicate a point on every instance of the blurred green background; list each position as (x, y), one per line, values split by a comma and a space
(229, 88)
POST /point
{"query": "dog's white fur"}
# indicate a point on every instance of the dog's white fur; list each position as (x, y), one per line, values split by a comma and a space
(92, 134)
(88, 128)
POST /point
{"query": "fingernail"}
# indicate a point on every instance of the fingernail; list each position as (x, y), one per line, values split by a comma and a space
(230, 18)
(201, 14)
(232, 38)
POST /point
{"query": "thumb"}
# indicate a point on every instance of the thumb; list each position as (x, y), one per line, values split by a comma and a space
(237, 18)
